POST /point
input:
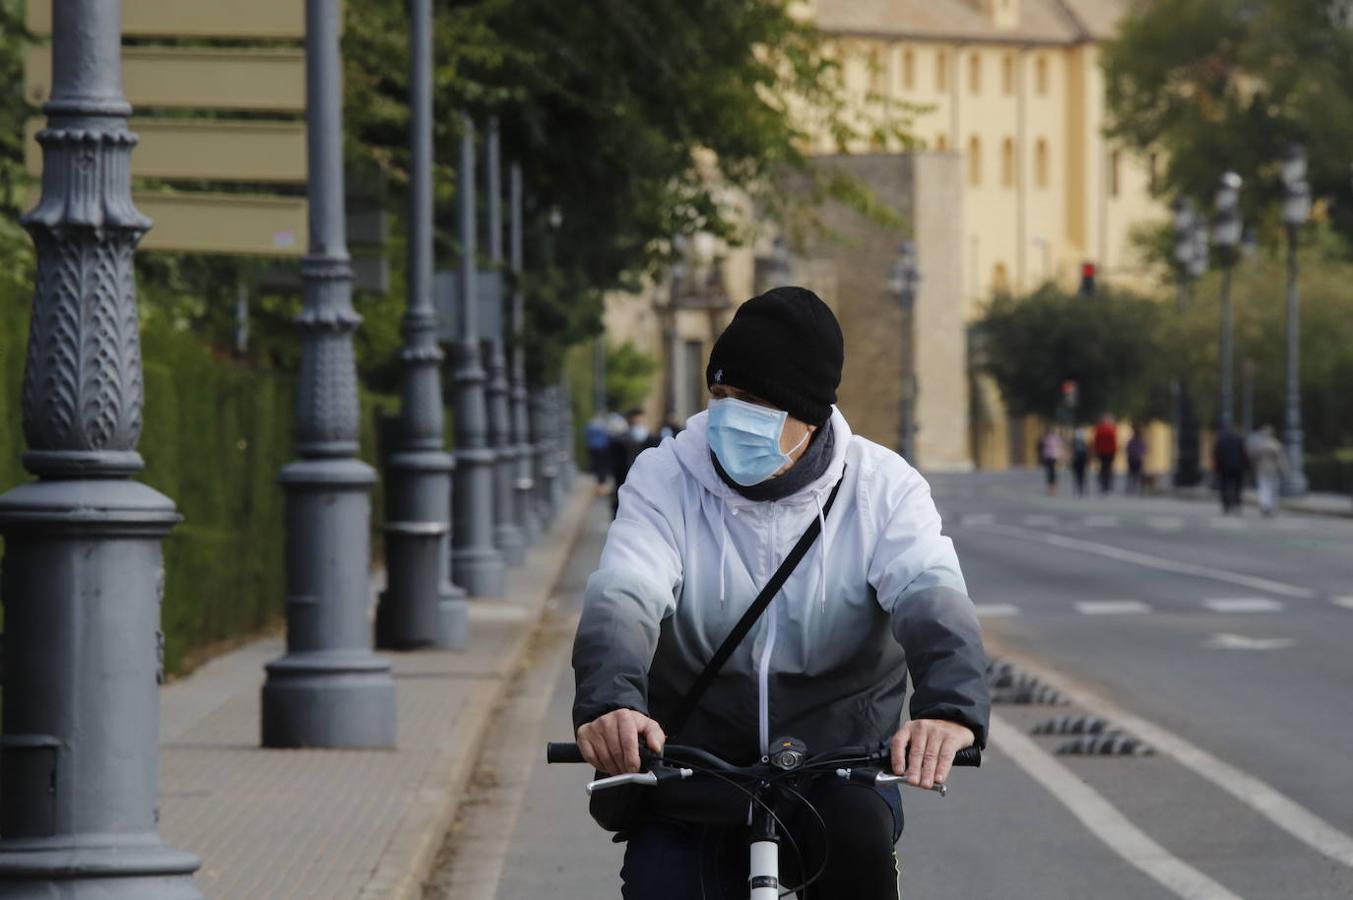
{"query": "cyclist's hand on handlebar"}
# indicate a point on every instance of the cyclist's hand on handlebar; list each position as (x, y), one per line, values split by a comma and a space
(924, 749)
(610, 743)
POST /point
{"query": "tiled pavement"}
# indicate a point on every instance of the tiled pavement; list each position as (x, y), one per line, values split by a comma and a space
(336, 824)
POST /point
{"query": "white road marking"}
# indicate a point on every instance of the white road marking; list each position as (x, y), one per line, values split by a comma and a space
(1345, 602)
(1226, 641)
(1103, 819)
(1166, 523)
(1288, 524)
(970, 519)
(1156, 562)
(1243, 605)
(1260, 796)
(1230, 523)
(1101, 521)
(997, 610)
(1041, 521)
(1112, 607)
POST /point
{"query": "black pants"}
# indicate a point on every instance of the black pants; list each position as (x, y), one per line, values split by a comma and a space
(670, 860)
(1105, 472)
(1231, 483)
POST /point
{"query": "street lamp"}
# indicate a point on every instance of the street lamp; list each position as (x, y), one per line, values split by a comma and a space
(1190, 254)
(1296, 210)
(904, 277)
(1226, 236)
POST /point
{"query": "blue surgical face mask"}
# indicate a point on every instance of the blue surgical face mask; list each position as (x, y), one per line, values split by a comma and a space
(746, 439)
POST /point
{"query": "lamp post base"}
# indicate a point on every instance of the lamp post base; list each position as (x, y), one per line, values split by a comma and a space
(331, 699)
(125, 867)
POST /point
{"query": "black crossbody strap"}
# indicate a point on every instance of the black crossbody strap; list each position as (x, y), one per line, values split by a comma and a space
(763, 599)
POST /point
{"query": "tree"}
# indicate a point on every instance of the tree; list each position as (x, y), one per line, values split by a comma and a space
(629, 374)
(1109, 345)
(1230, 84)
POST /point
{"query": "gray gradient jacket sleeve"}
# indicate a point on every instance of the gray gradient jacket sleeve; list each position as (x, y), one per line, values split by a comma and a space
(916, 576)
(629, 595)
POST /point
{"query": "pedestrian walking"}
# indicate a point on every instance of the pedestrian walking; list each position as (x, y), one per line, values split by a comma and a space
(625, 449)
(1106, 448)
(705, 520)
(1269, 460)
(671, 427)
(1051, 449)
(1080, 460)
(1136, 460)
(598, 440)
(1229, 461)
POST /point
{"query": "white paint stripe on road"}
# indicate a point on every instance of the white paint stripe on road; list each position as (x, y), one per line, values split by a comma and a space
(996, 610)
(1345, 602)
(1230, 524)
(967, 520)
(1155, 562)
(1101, 521)
(1243, 605)
(1103, 819)
(1260, 796)
(1112, 607)
(1166, 523)
(1041, 521)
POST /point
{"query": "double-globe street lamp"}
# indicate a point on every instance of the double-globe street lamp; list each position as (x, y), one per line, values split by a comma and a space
(1296, 210)
(1190, 254)
(1226, 236)
(904, 277)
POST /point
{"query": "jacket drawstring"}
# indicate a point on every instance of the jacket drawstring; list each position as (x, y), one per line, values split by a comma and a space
(822, 552)
(723, 553)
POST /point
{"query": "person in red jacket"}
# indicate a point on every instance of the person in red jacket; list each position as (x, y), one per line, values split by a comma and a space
(1106, 448)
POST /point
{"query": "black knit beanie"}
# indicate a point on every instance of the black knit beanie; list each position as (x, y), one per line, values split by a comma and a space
(785, 347)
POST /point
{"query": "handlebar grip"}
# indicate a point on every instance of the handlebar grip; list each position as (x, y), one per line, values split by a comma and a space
(563, 752)
(968, 756)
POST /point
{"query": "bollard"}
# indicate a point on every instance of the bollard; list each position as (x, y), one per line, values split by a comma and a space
(83, 575)
(329, 690)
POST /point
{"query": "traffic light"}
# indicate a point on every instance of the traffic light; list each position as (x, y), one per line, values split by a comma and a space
(1087, 279)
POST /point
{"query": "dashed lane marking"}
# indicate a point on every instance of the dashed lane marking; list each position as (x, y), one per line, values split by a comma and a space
(1166, 523)
(1227, 641)
(1345, 602)
(1103, 819)
(1243, 605)
(997, 610)
(1101, 521)
(1040, 521)
(1154, 562)
(1112, 607)
(1230, 524)
(1260, 796)
(967, 520)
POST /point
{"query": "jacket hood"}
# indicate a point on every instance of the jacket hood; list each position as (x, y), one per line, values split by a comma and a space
(692, 451)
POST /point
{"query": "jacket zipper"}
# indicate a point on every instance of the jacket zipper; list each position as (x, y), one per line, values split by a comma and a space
(763, 668)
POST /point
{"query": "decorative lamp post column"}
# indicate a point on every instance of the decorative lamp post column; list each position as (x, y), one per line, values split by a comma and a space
(329, 690)
(476, 564)
(524, 485)
(507, 536)
(414, 611)
(1226, 235)
(545, 427)
(83, 573)
(903, 279)
(1190, 261)
(1296, 210)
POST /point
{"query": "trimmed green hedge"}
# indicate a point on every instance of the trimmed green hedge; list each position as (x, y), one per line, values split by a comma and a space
(216, 434)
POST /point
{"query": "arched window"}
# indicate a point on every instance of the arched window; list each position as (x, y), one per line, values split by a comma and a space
(1008, 74)
(908, 69)
(942, 71)
(1041, 76)
(975, 73)
(1041, 163)
(942, 143)
(974, 161)
(1008, 162)
(1115, 173)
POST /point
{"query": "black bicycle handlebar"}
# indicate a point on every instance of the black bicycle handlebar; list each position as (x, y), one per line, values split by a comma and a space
(568, 752)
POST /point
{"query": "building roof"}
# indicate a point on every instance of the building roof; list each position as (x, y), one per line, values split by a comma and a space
(1040, 21)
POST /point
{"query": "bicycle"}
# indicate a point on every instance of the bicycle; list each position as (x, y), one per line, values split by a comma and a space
(776, 773)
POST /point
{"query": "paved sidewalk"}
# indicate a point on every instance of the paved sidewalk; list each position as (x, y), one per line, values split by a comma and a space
(1314, 503)
(336, 824)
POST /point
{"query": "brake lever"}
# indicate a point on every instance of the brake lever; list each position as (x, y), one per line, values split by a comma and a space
(879, 778)
(651, 778)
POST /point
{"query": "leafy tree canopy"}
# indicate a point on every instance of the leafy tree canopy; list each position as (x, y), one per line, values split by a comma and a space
(1218, 84)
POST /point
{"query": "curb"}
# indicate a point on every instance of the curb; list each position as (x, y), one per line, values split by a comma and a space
(411, 853)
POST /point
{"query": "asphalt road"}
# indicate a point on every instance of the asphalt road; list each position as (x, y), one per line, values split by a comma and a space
(1223, 643)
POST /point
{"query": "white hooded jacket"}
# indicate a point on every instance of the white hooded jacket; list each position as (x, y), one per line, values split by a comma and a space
(879, 592)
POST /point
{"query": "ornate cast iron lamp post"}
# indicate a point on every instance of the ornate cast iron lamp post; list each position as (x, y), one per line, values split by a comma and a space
(1190, 254)
(1226, 235)
(903, 279)
(524, 485)
(1296, 210)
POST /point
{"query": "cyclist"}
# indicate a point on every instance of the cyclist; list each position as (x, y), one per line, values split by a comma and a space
(704, 520)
